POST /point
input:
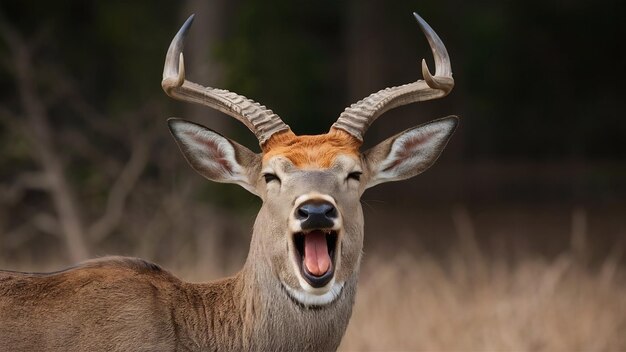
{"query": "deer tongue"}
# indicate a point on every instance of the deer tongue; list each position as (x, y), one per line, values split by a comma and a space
(316, 257)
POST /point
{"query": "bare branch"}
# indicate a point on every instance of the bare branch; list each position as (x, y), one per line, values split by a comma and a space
(17, 236)
(120, 190)
(28, 180)
(47, 223)
(38, 130)
(86, 111)
(81, 145)
(22, 233)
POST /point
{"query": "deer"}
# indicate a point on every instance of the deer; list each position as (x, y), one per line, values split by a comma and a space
(297, 287)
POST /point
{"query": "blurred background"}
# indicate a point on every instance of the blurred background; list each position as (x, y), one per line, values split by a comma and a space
(513, 240)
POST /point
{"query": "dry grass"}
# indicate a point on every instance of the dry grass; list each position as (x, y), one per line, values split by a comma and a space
(471, 303)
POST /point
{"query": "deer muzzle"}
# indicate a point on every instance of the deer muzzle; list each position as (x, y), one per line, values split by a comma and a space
(316, 239)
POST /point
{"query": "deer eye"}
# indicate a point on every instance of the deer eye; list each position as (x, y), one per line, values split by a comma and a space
(270, 177)
(355, 176)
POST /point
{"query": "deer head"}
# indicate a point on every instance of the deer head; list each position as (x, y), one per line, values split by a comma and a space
(308, 235)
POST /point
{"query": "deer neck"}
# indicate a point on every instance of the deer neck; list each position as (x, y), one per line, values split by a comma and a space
(279, 322)
(253, 311)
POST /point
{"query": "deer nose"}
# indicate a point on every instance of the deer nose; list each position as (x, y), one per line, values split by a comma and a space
(316, 215)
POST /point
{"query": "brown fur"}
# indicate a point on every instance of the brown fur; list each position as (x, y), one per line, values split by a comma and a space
(127, 304)
(317, 151)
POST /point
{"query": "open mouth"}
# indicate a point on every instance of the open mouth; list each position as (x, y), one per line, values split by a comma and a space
(315, 255)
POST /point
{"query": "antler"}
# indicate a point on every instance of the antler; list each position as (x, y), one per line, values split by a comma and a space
(357, 118)
(260, 120)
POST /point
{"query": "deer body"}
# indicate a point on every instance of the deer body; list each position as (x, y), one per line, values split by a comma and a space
(146, 308)
(297, 287)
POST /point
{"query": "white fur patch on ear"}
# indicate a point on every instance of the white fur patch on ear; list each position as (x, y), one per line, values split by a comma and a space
(210, 154)
(413, 151)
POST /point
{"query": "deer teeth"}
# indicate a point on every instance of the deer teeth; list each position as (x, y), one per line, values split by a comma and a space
(325, 231)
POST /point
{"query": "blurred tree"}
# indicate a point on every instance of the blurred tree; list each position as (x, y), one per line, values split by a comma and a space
(82, 166)
(536, 82)
(283, 56)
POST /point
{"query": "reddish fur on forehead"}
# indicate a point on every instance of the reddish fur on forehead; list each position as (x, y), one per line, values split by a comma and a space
(311, 151)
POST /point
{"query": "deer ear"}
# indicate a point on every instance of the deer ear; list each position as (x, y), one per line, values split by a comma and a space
(409, 153)
(215, 156)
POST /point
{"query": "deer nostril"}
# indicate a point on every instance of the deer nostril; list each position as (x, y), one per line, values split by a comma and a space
(302, 213)
(331, 213)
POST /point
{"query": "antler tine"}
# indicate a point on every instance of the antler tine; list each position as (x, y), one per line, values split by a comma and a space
(357, 118)
(174, 68)
(443, 69)
(261, 121)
